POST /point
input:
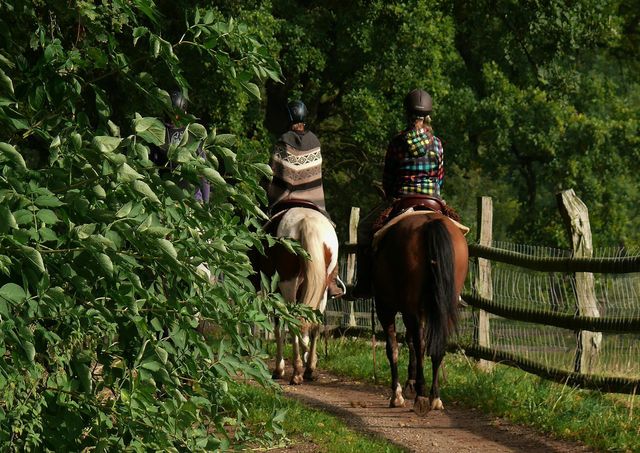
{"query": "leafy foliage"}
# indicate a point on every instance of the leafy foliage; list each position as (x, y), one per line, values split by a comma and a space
(529, 99)
(109, 268)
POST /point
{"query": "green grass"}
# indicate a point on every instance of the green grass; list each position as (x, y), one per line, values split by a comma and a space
(285, 422)
(604, 421)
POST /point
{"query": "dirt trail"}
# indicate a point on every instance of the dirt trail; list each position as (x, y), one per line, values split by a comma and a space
(365, 408)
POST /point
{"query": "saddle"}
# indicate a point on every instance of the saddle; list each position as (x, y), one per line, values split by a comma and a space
(415, 203)
(280, 208)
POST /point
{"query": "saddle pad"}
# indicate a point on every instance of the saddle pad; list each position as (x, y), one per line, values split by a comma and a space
(377, 237)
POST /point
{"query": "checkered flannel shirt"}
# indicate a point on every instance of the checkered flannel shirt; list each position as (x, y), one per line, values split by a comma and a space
(413, 164)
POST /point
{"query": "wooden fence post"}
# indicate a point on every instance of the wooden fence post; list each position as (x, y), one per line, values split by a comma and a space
(354, 219)
(483, 283)
(576, 218)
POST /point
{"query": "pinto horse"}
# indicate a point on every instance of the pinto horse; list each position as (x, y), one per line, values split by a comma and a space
(420, 266)
(302, 281)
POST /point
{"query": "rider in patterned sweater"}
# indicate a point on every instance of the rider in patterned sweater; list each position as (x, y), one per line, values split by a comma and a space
(414, 161)
(413, 166)
(297, 170)
(297, 162)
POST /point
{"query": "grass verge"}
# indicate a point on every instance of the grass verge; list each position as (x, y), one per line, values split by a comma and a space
(288, 423)
(603, 421)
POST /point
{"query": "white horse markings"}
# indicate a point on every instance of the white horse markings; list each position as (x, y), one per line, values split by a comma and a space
(317, 236)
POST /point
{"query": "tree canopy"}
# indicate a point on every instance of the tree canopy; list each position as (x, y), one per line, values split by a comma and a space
(104, 255)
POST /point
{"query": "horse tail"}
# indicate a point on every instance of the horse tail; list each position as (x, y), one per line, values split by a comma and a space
(311, 239)
(440, 288)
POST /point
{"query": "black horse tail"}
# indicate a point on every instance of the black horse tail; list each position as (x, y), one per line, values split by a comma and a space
(441, 306)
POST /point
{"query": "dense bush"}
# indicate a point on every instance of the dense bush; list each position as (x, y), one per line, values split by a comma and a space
(102, 285)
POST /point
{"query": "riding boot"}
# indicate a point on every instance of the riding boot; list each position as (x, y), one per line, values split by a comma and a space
(364, 271)
(336, 288)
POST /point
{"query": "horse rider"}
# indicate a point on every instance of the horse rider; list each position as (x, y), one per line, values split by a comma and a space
(174, 131)
(413, 166)
(297, 171)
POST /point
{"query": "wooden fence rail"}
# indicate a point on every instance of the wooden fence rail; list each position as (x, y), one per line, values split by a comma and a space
(619, 265)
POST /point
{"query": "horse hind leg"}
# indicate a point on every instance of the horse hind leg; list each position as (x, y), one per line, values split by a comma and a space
(421, 405)
(311, 358)
(278, 371)
(296, 377)
(397, 400)
(409, 389)
(434, 395)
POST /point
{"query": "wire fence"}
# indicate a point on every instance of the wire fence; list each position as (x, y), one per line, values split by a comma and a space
(545, 298)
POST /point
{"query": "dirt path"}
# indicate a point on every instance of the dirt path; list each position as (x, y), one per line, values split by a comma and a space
(365, 408)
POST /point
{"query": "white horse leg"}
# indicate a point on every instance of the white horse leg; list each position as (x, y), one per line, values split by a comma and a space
(304, 343)
(312, 356)
(296, 377)
(397, 400)
(278, 372)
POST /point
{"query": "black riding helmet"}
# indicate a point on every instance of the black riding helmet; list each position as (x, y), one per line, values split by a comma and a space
(179, 100)
(296, 111)
(418, 103)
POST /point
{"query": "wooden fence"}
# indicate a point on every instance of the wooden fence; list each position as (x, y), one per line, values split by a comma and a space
(585, 323)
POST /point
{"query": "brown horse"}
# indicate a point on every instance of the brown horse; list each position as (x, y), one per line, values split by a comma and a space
(302, 281)
(420, 266)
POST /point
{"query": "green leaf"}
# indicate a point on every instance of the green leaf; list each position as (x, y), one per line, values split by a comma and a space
(162, 355)
(47, 216)
(84, 374)
(150, 129)
(151, 365)
(128, 174)
(144, 189)
(198, 130)
(106, 144)
(7, 220)
(13, 293)
(223, 139)
(23, 216)
(167, 247)
(6, 82)
(13, 155)
(76, 140)
(179, 337)
(84, 231)
(264, 169)
(99, 192)
(138, 32)
(34, 257)
(124, 210)
(105, 263)
(213, 176)
(47, 234)
(252, 88)
(29, 350)
(48, 201)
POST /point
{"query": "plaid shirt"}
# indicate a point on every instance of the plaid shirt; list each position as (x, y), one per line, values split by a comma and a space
(413, 164)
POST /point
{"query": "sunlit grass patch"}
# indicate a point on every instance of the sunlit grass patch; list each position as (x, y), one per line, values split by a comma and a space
(280, 421)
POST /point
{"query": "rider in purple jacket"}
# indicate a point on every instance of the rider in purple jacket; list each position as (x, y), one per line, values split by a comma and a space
(174, 134)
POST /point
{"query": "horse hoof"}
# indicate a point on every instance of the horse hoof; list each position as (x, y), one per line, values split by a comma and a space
(421, 406)
(277, 375)
(397, 402)
(310, 376)
(409, 390)
(296, 380)
(436, 404)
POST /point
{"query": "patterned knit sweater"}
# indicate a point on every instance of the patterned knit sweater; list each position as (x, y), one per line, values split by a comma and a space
(297, 169)
(414, 164)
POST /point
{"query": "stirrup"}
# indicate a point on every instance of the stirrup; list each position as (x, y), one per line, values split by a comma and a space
(340, 284)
